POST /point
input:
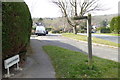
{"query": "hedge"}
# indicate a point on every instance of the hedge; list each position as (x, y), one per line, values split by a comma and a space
(115, 24)
(16, 28)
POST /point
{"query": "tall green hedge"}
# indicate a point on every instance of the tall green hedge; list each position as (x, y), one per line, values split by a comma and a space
(16, 28)
(115, 25)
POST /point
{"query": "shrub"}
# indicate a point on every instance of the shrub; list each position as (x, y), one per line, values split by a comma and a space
(104, 29)
(48, 29)
(33, 28)
(16, 28)
(83, 31)
(56, 31)
(115, 24)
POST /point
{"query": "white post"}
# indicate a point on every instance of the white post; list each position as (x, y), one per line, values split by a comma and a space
(18, 66)
(8, 73)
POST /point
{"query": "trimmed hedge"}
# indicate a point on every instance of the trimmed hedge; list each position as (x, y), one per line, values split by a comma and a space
(16, 28)
(115, 24)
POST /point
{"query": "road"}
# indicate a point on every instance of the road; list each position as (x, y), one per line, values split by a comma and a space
(58, 40)
(105, 37)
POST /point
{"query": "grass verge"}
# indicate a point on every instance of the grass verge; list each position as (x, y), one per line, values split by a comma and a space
(94, 40)
(72, 64)
(108, 34)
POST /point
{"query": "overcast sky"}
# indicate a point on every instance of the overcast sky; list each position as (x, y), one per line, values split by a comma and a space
(44, 8)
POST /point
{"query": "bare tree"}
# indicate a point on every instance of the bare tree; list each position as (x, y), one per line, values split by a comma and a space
(74, 8)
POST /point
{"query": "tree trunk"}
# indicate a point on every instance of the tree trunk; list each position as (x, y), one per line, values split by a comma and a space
(75, 30)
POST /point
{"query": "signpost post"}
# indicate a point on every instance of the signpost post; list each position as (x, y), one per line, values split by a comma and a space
(89, 28)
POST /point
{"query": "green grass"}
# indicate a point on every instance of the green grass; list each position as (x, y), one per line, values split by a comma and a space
(94, 40)
(71, 64)
(108, 34)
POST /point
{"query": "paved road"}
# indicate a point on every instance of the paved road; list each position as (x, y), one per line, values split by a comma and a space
(104, 52)
(106, 37)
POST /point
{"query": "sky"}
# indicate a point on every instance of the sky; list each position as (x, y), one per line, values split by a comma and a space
(45, 8)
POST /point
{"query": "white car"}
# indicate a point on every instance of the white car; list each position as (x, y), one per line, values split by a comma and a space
(40, 30)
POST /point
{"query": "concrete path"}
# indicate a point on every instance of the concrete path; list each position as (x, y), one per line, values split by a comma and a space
(38, 64)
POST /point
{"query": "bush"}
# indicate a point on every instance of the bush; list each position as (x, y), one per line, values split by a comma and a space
(33, 28)
(48, 29)
(16, 28)
(56, 31)
(104, 30)
(83, 31)
(115, 25)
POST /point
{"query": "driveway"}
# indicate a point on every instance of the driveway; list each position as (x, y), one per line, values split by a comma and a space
(58, 40)
(105, 37)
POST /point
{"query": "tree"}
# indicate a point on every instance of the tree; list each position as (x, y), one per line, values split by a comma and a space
(115, 25)
(40, 19)
(74, 8)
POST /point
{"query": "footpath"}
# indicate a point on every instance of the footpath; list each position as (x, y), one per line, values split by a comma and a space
(38, 64)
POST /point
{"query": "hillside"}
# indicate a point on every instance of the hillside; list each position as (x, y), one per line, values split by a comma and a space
(61, 22)
(100, 18)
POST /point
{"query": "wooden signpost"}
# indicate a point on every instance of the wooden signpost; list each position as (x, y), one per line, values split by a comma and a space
(89, 28)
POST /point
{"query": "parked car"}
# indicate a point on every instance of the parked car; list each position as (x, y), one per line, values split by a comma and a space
(40, 30)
